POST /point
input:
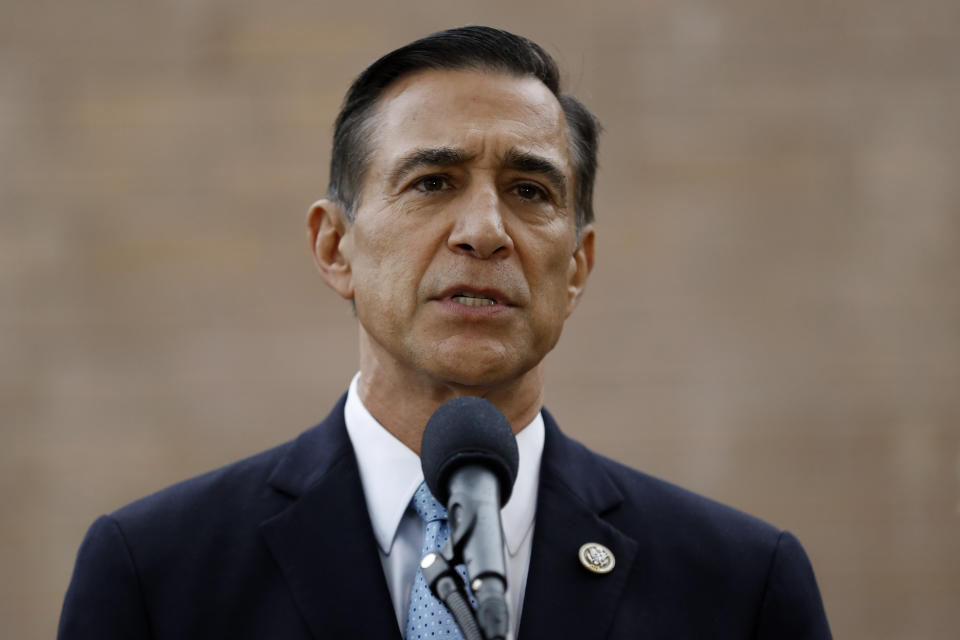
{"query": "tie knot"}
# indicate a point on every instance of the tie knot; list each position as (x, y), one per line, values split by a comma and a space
(426, 506)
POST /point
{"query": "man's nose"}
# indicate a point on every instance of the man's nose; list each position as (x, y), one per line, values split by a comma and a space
(478, 228)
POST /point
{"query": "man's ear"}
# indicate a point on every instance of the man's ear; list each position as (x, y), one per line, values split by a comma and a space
(329, 233)
(581, 264)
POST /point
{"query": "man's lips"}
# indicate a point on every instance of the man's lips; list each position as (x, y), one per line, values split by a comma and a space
(471, 296)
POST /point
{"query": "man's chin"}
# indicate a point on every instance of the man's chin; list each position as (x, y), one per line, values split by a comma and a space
(473, 374)
(470, 377)
(480, 361)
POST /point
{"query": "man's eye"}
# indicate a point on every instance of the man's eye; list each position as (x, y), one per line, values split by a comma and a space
(432, 183)
(531, 192)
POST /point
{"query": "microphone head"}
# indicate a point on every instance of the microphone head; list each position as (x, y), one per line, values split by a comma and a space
(463, 431)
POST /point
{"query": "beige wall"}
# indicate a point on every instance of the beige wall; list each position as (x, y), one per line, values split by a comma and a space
(774, 319)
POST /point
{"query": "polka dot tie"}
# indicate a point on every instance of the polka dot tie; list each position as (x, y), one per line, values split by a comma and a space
(428, 618)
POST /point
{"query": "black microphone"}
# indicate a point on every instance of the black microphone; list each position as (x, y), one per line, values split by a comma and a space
(470, 458)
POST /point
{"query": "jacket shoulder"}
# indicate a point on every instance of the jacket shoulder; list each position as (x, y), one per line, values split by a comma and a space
(676, 509)
(246, 491)
(700, 565)
(229, 488)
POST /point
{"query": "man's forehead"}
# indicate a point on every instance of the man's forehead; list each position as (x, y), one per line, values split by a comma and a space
(478, 112)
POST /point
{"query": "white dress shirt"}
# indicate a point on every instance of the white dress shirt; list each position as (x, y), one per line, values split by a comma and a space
(390, 474)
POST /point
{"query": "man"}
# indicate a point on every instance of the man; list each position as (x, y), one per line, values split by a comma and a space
(459, 224)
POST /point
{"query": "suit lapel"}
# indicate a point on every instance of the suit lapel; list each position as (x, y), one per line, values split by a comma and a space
(562, 598)
(323, 542)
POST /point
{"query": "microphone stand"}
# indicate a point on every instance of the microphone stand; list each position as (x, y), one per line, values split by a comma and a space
(447, 586)
(485, 565)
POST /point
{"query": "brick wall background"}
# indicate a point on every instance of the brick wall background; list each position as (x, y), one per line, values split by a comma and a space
(774, 319)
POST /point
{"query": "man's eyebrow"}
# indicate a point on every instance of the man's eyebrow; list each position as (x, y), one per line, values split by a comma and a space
(531, 163)
(432, 157)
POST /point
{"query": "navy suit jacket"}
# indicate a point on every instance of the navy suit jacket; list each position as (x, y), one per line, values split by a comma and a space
(280, 546)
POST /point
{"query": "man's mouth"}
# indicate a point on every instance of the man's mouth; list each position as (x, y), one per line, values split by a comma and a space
(472, 299)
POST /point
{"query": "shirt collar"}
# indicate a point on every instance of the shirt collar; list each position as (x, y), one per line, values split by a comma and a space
(390, 474)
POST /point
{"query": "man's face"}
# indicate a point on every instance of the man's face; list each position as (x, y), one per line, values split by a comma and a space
(463, 255)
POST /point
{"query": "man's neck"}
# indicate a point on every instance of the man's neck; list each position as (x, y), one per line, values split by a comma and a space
(403, 401)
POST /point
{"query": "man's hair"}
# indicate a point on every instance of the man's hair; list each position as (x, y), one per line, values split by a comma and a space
(481, 48)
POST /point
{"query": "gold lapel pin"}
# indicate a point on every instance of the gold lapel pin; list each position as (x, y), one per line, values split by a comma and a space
(596, 558)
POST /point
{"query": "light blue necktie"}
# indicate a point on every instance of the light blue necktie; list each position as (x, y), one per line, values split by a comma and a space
(427, 617)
